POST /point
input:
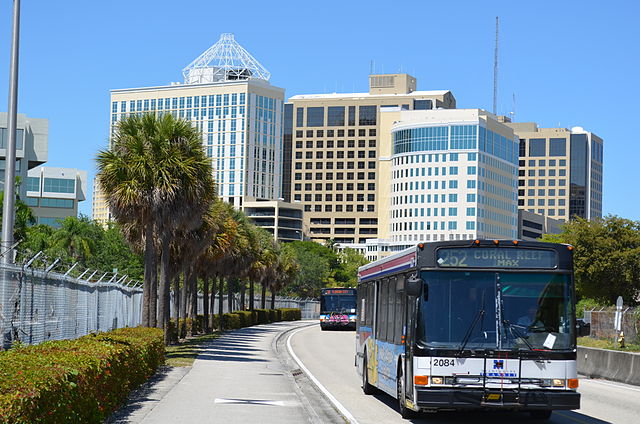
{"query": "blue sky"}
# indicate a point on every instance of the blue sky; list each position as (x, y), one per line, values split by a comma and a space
(569, 63)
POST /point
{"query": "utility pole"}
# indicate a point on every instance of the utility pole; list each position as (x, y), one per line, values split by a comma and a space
(10, 159)
(495, 74)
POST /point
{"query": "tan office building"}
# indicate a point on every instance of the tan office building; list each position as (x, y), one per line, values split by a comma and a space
(560, 171)
(332, 151)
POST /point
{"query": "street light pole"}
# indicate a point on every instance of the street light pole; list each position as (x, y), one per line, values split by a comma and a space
(10, 158)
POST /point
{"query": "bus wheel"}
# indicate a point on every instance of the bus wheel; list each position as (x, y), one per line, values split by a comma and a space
(541, 415)
(405, 412)
(367, 388)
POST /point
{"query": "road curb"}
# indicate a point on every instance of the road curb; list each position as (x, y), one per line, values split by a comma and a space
(336, 404)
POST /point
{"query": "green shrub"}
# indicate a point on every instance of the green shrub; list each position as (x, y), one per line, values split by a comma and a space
(291, 314)
(246, 318)
(588, 304)
(262, 316)
(81, 380)
(230, 321)
(273, 315)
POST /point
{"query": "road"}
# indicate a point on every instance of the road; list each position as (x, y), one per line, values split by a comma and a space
(329, 356)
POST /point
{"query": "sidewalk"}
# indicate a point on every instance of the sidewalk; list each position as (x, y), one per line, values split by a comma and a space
(237, 379)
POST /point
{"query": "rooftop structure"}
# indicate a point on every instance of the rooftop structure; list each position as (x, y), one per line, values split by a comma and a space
(226, 60)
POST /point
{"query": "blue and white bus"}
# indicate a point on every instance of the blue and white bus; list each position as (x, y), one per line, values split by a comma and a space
(464, 325)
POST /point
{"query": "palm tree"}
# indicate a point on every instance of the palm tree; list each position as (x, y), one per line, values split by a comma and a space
(157, 177)
(76, 236)
(287, 269)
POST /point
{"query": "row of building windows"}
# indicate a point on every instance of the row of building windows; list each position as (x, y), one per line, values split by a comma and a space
(339, 144)
(338, 230)
(542, 202)
(340, 208)
(339, 165)
(431, 225)
(338, 176)
(550, 212)
(328, 197)
(426, 198)
(371, 154)
(336, 116)
(542, 192)
(433, 157)
(542, 172)
(543, 162)
(428, 185)
(543, 147)
(183, 102)
(415, 212)
(335, 133)
(344, 221)
(338, 186)
(47, 202)
(543, 182)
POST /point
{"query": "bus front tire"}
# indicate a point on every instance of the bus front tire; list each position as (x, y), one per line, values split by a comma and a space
(405, 412)
(544, 414)
(367, 388)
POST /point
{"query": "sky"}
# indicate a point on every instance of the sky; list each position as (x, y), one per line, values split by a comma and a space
(561, 63)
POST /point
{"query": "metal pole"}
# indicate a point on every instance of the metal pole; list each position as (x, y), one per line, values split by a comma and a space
(10, 159)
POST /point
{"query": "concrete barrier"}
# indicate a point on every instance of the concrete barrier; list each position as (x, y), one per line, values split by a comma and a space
(609, 364)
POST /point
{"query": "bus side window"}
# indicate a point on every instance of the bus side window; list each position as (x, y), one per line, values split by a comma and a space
(391, 306)
(381, 319)
(360, 304)
(400, 302)
(371, 289)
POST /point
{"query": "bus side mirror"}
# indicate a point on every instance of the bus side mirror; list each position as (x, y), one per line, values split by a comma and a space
(414, 286)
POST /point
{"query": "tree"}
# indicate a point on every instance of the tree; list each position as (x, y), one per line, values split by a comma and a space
(346, 274)
(77, 237)
(316, 263)
(23, 218)
(606, 257)
(156, 177)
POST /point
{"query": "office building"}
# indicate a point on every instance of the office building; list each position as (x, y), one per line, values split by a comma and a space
(226, 94)
(32, 143)
(532, 226)
(560, 171)
(453, 176)
(53, 193)
(332, 153)
(282, 219)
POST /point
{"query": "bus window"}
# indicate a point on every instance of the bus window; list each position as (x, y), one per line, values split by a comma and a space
(371, 287)
(391, 306)
(399, 319)
(381, 319)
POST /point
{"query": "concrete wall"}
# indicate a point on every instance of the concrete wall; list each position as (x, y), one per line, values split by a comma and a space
(609, 364)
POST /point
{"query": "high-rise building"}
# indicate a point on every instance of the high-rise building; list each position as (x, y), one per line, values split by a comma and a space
(452, 176)
(226, 94)
(54, 193)
(332, 154)
(32, 144)
(560, 171)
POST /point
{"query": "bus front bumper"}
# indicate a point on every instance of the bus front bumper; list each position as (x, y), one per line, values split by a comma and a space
(442, 399)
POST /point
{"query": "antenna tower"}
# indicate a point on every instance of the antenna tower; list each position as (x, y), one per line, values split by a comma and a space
(495, 73)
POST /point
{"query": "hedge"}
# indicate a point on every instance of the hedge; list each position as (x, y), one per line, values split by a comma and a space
(291, 314)
(235, 320)
(76, 381)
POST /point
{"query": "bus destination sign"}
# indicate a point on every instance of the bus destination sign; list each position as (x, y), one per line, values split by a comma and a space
(337, 291)
(496, 257)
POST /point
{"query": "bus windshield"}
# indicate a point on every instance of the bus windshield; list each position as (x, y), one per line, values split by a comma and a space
(338, 303)
(496, 310)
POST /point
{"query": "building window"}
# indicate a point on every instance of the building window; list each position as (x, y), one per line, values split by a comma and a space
(352, 117)
(299, 117)
(46, 202)
(367, 115)
(537, 147)
(33, 184)
(557, 147)
(315, 116)
(59, 185)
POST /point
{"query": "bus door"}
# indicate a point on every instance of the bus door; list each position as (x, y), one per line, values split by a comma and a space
(408, 331)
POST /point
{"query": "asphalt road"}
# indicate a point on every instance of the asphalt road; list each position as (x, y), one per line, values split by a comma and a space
(329, 356)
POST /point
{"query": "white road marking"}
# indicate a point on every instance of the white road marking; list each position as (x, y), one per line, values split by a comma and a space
(345, 413)
(249, 402)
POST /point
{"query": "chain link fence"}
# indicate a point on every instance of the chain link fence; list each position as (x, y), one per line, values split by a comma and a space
(37, 305)
(602, 323)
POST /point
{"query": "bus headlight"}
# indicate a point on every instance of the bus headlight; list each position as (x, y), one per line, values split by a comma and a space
(437, 380)
(558, 382)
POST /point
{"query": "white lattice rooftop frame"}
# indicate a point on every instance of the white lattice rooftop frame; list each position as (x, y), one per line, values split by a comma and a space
(226, 60)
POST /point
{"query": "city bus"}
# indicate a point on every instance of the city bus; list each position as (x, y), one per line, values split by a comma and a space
(470, 325)
(338, 308)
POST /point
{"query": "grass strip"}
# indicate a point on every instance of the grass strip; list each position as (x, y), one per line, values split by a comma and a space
(184, 353)
(607, 344)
